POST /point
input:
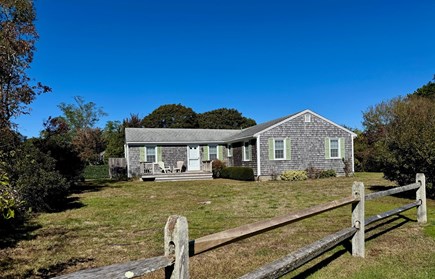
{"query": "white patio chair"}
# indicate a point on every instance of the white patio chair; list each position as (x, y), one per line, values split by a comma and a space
(164, 169)
(179, 166)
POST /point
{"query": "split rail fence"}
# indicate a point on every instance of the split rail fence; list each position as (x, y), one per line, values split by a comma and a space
(178, 248)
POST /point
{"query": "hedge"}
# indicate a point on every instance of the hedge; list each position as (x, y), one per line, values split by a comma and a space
(238, 173)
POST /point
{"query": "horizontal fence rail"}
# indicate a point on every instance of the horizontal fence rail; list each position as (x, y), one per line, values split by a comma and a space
(212, 241)
(392, 191)
(124, 270)
(178, 248)
(301, 256)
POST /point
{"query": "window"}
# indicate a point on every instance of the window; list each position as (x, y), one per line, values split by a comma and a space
(334, 148)
(279, 149)
(307, 117)
(212, 152)
(246, 151)
(230, 150)
(151, 154)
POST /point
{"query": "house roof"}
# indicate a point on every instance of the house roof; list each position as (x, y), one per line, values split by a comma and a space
(172, 135)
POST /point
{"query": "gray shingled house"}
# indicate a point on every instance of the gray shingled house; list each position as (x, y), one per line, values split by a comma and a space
(293, 142)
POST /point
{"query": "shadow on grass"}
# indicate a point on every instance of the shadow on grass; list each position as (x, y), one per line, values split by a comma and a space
(347, 246)
(13, 231)
(56, 269)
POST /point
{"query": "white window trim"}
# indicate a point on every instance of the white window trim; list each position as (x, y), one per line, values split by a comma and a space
(330, 148)
(284, 147)
(230, 150)
(217, 151)
(155, 152)
(244, 151)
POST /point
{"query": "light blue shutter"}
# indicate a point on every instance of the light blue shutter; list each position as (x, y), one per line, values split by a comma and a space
(271, 155)
(343, 147)
(142, 154)
(327, 149)
(288, 146)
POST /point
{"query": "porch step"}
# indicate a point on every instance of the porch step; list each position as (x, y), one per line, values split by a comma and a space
(178, 177)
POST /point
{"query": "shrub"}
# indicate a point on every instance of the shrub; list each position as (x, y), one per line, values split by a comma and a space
(294, 175)
(347, 166)
(327, 173)
(217, 167)
(96, 172)
(119, 173)
(312, 172)
(238, 173)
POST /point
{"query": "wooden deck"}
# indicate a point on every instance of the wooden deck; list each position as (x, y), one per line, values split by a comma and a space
(183, 176)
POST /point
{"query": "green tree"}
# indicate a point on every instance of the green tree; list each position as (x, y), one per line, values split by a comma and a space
(171, 116)
(224, 118)
(114, 137)
(427, 90)
(81, 115)
(17, 45)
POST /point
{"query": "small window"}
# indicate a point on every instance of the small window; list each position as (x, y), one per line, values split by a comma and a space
(151, 154)
(334, 148)
(230, 150)
(212, 152)
(279, 149)
(246, 151)
(307, 118)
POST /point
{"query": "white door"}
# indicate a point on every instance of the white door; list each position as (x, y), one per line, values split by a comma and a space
(193, 158)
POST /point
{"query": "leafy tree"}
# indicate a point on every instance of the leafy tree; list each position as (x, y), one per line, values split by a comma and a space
(17, 44)
(171, 116)
(224, 118)
(114, 137)
(134, 121)
(81, 115)
(55, 141)
(89, 144)
(427, 90)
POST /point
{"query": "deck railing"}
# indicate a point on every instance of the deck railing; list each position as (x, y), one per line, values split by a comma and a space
(178, 248)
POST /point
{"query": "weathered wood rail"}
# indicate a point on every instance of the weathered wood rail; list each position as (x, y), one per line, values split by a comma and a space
(178, 248)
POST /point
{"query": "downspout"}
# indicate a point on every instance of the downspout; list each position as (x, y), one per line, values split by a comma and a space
(127, 157)
(353, 156)
(258, 157)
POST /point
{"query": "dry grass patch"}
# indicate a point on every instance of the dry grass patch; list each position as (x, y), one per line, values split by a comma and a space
(116, 222)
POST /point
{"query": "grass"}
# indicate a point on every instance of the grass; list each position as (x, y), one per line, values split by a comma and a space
(112, 222)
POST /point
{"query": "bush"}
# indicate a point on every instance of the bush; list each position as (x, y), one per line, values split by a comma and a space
(312, 172)
(96, 172)
(238, 173)
(217, 167)
(294, 175)
(119, 173)
(327, 173)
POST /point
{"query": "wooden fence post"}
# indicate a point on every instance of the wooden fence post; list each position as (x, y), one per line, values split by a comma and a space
(358, 245)
(177, 246)
(421, 195)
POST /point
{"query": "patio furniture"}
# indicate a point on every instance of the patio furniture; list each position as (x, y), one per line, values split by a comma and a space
(163, 168)
(179, 166)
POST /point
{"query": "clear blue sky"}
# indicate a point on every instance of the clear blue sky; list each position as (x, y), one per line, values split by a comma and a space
(266, 59)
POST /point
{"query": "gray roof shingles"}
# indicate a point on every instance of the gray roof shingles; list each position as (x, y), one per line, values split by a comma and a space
(172, 135)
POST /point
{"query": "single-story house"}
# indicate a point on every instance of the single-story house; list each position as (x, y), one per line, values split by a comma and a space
(294, 142)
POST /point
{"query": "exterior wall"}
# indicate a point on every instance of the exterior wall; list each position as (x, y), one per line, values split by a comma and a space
(172, 154)
(133, 161)
(237, 159)
(307, 146)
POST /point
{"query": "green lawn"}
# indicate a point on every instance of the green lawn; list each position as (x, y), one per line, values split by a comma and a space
(112, 222)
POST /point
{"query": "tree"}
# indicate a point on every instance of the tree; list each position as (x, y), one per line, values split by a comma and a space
(89, 143)
(81, 115)
(113, 135)
(427, 90)
(224, 118)
(17, 44)
(171, 116)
